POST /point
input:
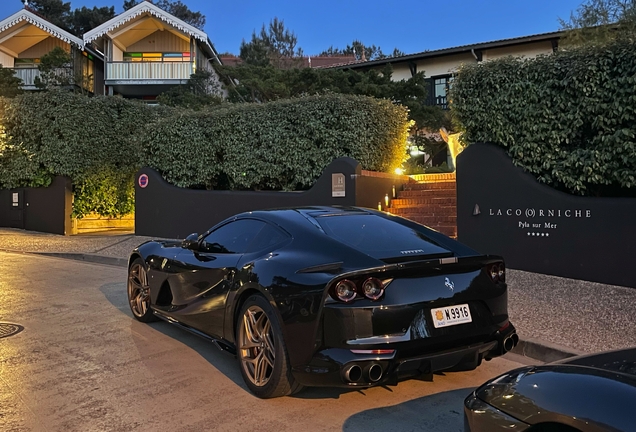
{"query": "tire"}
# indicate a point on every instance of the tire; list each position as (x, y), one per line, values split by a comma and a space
(261, 350)
(139, 292)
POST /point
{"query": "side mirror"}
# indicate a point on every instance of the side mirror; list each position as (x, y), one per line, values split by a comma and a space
(191, 241)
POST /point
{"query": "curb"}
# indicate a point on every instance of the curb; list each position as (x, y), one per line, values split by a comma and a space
(544, 351)
(97, 259)
(92, 258)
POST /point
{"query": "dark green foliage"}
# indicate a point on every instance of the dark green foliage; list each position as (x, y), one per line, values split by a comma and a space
(84, 19)
(175, 8)
(10, 85)
(203, 89)
(56, 70)
(280, 145)
(100, 142)
(56, 12)
(568, 118)
(90, 140)
(600, 21)
(77, 21)
(267, 83)
(360, 51)
(273, 46)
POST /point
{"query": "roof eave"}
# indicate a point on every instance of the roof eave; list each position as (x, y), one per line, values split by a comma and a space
(137, 10)
(455, 50)
(33, 19)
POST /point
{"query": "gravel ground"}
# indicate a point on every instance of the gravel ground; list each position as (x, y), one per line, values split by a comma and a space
(584, 316)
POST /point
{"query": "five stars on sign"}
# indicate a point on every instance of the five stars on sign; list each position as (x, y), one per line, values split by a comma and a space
(533, 234)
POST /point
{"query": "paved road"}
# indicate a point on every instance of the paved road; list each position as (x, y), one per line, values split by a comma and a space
(83, 364)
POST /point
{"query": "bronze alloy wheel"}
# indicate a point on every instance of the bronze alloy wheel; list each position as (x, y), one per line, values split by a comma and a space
(138, 290)
(256, 345)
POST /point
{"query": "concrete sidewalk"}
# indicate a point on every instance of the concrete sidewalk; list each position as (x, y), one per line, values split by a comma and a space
(555, 317)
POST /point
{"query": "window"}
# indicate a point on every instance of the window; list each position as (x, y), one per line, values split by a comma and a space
(157, 57)
(26, 63)
(440, 87)
(233, 237)
(267, 239)
(377, 236)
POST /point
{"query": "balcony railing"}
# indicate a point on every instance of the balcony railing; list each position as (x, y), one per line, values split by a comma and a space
(60, 76)
(27, 76)
(148, 70)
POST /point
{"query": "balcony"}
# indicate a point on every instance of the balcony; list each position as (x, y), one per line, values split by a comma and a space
(63, 76)
(27, 76)
(148, 72)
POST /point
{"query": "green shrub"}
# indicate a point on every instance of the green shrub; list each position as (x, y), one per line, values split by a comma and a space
(280, 145)
(100, 142)
(568, 118)
(90, 140)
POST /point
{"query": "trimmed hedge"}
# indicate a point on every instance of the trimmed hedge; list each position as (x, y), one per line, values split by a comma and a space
(90, 140)
(569, 118)
(100, 142)
(281, 145)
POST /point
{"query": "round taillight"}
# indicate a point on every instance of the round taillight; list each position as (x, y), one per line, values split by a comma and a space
(373, 288)
(345, 290)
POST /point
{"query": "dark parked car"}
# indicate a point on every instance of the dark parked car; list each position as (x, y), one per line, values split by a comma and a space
(594, 393)
(327, 296)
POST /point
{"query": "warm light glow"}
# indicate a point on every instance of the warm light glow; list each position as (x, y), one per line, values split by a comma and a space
(399, 171)
(379, 206)
(386, 200)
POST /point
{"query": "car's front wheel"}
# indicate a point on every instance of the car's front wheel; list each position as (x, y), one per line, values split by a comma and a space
(139, 292)
(262, 352)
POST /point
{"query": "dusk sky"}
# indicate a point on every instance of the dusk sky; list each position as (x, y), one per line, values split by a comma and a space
(410, 25)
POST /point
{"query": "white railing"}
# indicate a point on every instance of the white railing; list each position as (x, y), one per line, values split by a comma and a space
(148, 70)
(27, 76)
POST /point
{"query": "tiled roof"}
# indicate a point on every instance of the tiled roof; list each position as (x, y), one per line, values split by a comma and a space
(453, 50)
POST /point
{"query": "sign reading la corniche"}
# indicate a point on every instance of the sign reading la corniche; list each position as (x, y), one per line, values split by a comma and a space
(502, 210)
(529, 218)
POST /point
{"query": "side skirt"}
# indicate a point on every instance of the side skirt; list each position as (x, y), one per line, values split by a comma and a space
(219, 343)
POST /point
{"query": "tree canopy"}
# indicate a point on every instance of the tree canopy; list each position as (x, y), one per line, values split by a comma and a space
(77, 21)
(275, 45)
(81, 20)
(9, 83)
(360, 51)
(176, 8)
(601, 21)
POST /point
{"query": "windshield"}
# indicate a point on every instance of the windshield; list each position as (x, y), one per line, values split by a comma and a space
(378, 236)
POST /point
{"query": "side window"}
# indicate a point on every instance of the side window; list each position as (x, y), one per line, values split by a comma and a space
(233, 237)
(267, 238)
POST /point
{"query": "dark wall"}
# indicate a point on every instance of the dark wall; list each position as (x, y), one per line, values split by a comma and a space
(163, 210)
(371, 191)
(503, 210)
(39, 209)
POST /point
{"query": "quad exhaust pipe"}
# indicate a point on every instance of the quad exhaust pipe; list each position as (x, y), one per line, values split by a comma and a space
(510, 342)
(372, 373)
(353, 373)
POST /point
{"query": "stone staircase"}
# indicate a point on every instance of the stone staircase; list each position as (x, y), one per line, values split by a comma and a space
(431, 201)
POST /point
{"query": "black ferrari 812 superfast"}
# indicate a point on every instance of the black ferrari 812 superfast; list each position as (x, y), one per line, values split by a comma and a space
(327, 296)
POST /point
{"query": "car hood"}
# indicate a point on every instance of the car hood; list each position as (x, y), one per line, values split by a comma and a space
(622, 361)
(570, 392)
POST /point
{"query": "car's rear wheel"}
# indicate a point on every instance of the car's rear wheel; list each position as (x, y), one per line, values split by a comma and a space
(262, 352)
(139, 292)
